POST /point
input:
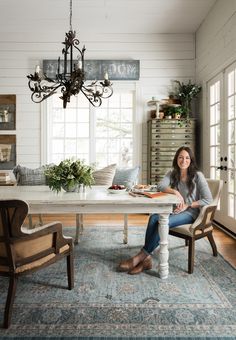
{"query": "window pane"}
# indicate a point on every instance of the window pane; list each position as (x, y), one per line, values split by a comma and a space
(231, 181)
(70, 130)
(70, 115)
(83, 129)
(217, 113)
(114, 100)
(114, 115)
(231, 205)
(57, 115)
(70, 146)
(101, 145)
(83, 115)
(126, 115)
(101, 129)
(231, 132)
(126, 100)
(101, 114)
(58, 130)
(231, 107)
(82, 145)
(57, 145)
(212, 95)
(212, 136)
(217, 91)
(231, 83)
(212, 115)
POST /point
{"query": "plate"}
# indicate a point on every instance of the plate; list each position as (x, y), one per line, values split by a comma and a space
(117, 192)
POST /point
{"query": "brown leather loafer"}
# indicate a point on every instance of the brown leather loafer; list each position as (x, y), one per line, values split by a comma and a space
(144, 265)
(126, 265)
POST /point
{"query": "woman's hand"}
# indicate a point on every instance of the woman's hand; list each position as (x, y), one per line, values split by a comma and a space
(181, 208)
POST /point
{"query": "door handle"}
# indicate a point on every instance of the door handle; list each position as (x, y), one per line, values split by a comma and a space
(222, 168)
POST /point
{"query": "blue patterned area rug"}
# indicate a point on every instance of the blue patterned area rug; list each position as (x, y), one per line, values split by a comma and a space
(109, 304)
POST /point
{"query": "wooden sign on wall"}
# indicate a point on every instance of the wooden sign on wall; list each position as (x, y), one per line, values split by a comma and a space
(96, 69)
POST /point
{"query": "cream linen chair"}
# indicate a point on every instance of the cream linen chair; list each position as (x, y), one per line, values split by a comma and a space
(24, 251)
(202, 226)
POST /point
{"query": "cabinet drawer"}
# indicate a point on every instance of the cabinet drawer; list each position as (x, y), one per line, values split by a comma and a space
(169, 136)
(172, 131)
(171, 143)
(160, 170)
(160, 163)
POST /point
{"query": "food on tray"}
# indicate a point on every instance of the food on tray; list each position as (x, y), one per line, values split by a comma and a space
(142, 186)
(117, 187)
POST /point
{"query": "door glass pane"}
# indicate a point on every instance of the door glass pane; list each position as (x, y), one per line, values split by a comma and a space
(231, 83)
(231, 132)
(231, 107)
(231, 211)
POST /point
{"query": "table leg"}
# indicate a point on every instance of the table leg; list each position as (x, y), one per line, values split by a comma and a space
(163, 252)
(125, 232)
(79, 227)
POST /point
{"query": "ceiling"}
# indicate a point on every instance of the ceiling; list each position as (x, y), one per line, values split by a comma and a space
(106, 16)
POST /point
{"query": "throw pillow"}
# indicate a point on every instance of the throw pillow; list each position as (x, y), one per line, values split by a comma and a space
(126, 176)
(104, 176)
(27, 176)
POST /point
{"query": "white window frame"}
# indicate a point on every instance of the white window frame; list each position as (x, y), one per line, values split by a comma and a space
(137, 124)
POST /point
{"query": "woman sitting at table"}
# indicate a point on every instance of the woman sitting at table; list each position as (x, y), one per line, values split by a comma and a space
(190, 185)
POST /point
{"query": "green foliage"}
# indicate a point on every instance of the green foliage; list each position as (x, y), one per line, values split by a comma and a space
(173, 110)
(69, 173)
(187, 91)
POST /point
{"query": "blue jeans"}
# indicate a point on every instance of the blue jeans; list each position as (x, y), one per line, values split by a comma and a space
(152, 237)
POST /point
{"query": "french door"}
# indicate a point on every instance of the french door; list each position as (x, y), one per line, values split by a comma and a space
(222, 142)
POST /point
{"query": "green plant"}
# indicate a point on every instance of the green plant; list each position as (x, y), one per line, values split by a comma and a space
(186, 93)
(173, 110)
(69, 174)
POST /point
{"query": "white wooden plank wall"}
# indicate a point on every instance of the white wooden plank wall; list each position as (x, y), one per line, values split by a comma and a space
(163, 57)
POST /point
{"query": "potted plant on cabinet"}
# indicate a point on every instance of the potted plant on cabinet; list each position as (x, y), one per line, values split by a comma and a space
(186, 93)
(69, 175)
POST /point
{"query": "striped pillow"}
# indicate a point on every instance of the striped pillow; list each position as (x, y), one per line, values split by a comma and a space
(28, 176)
(105, 176)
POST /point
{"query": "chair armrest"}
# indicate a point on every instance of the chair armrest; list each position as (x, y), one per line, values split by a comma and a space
(204, 218)
(50, 228)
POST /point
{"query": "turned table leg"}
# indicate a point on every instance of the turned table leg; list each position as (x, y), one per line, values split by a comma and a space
(79, 227)
(125, 232)
(163, 253)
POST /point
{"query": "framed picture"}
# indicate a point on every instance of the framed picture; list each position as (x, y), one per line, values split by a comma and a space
(7, 112)
(7, 152)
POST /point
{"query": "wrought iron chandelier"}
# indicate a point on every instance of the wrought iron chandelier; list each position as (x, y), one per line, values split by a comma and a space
(71, 79)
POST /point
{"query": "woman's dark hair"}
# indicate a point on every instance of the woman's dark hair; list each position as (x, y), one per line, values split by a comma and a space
(192, 169)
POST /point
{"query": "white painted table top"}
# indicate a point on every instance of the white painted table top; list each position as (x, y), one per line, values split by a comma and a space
(95, 195)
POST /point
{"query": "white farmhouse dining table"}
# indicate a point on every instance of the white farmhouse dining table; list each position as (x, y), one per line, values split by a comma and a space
(97, 200)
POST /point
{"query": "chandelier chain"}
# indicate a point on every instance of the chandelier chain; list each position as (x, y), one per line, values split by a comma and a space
(70, 15)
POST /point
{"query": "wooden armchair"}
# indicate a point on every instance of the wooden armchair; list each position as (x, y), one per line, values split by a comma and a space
(23, 251)
(202, 226)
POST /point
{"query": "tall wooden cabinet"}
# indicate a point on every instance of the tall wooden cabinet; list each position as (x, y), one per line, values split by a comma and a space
(165, 136)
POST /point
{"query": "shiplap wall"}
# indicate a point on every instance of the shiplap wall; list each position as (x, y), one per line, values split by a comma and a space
(215, 50)
(163, 57)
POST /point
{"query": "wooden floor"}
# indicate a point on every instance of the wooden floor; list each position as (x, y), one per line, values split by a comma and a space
(226, 245)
